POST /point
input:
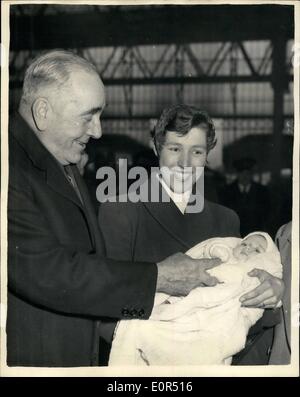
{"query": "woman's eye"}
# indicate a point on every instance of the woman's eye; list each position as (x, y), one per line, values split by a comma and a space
(174, 149)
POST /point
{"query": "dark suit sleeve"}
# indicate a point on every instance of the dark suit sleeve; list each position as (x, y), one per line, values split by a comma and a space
(48, 274)
(118, 225)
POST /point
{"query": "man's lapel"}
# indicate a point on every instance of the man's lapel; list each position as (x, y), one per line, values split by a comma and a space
(54, 175)
(58, 182)
(89, 211)
(42, 159)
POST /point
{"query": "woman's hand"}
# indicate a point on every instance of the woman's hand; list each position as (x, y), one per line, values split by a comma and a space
(267, 295)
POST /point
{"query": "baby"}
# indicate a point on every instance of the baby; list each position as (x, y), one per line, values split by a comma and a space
(209, 325)
(233, 248)
(250, 246)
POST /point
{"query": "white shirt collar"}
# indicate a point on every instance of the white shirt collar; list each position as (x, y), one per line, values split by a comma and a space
(181, 200)
(244, 188)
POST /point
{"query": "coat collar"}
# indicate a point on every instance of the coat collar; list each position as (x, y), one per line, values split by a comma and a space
(180, 226)
(34, 149)
(42, 158)
(55, 178)
(170, 219)
(90, 213)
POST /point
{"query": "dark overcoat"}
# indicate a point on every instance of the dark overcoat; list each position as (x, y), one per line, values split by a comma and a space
(154, 230)
(60, 286)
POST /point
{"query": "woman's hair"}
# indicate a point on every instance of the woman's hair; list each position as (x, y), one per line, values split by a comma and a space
(52, 69)
(181, 119)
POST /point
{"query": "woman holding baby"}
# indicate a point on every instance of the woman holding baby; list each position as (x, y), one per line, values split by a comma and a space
(182, 218)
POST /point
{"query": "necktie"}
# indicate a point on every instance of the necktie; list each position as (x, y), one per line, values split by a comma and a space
(70, 177)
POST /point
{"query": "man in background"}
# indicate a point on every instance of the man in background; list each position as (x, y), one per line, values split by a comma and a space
(249, 199)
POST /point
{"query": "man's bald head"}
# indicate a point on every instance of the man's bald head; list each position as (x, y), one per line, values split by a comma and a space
(49, 72)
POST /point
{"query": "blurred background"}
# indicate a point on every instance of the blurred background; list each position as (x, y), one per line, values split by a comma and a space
(235, 62)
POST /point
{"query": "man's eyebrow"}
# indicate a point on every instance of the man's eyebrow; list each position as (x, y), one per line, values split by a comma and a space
(92, 111)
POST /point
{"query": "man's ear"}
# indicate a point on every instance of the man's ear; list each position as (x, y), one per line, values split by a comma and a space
(40, 113)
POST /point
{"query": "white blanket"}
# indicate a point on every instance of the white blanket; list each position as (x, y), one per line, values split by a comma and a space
(208, 326)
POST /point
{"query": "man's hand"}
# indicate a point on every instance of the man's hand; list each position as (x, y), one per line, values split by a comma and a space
(179, 274)
(267, 295)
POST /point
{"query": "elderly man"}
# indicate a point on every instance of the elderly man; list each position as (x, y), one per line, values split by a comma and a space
(60, 285)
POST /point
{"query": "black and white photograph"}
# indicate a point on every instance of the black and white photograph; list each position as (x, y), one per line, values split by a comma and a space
(150, 188)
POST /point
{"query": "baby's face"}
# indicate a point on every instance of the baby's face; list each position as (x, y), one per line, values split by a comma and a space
(249, 247)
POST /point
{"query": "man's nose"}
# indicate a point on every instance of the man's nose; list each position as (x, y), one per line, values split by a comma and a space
(96, 131)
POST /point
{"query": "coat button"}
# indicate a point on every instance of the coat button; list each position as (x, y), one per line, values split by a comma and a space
(125, 312)
(134, 312)
(141, 313)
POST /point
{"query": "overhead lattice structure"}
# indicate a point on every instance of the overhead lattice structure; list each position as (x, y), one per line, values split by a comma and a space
(233, 61)
(226, 71)
(33, 10)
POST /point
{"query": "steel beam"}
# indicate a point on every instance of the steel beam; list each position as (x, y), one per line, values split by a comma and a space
(181, 80)
(214, 116)
(279, 83)
(153, 25)
(194, 60)
(247, 58)
(192, 80)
